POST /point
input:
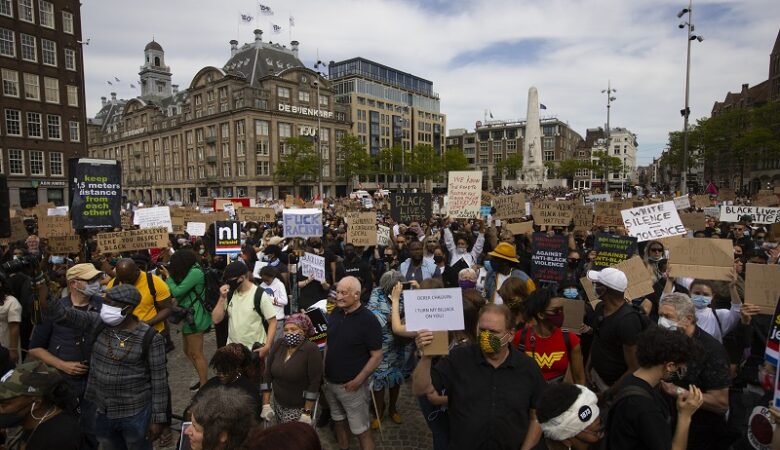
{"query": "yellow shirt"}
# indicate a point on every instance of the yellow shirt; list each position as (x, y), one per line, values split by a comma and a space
(245, 326)
(145, 310)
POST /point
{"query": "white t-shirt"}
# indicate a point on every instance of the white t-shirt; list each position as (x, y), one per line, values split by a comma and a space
(279, 296)
(10, 312)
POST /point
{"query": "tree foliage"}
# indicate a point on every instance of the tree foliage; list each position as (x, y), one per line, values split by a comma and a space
(509, 166)
(567, 168)
(424, 163)
(355, 161)
(388, 160)
(454, 159)
(299, 162)
(604, 163)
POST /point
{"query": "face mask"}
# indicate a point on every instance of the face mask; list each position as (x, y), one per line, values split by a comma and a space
(57, 259)
(293, 339)
(570, 293)
(759, 242)
(663, 322)
(181, 241)
(701, 301)
(253, 230)
(489, 343)
(461, 250)
(111, 315)
(234, 283)
(556, 319)
(746, 233)
(488, 266)
(91, 289)
(655, 258)
(438, 259)
(467, 284)
(201, 251)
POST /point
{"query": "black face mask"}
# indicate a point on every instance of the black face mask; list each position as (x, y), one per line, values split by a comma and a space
(438, 259)
(349, 256)
(234, 283)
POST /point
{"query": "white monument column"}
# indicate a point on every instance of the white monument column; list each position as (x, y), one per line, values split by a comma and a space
(533, 173)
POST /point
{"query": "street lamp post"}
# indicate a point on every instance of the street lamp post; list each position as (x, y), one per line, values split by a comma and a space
(610, 98)
(319, 127)
(686, 111)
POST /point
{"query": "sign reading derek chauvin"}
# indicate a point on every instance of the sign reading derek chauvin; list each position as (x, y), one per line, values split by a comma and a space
(612, 250)
(464, 191)
(128, 241)
(761, 285)
(552, 214)
(303, 223)
(655, 221)
(509, 206)
(761, 214)
(708, 259)
(607, 214)
(408, 207)
(97, 194)
(313, 266)
(434, 309)
(227, 237)
(548, 262)
(361, 228)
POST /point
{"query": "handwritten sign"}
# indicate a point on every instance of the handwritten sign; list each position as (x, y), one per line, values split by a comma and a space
(313, 266)
(520, 228)
(708, 259)
(702, 201)
(727, 194)
(382, 235)
(361, 229)
(765, 197)
(127, 241)
(582, 215)
(760, 214)
(464, 190)
(434, 309)
(406, 207)
(196, 228)
(693, 220)
(62, 245)
(655, 221)
(302, 222)
(509, 206)
(155, 217)
(548, 262)
(612, 250)
(761, 285)
(261, 215)
(683, 202)
(607, 214)
(598, 198)
(552, 213)
(49, 226)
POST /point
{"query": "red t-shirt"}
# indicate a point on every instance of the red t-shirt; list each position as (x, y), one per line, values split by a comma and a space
(550, 352)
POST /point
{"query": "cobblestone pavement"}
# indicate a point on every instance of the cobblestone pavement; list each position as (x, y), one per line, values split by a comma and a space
(412, 434)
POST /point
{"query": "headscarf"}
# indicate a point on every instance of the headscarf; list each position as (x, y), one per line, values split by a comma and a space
(302, 321)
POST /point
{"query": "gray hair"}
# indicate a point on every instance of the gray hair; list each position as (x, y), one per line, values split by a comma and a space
(467, 274)
(681, 303)
(389, 279)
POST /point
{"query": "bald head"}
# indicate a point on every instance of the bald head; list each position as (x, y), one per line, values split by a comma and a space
(348, 294)
(127, 271)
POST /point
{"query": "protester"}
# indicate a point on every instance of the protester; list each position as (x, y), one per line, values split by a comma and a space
(569, 416)
(273, 284)
(354, 265)
(286, 436)
(501, 268)
(10, 319)
(220, 420)
(155, 305)
(459, 249)
(416, 268)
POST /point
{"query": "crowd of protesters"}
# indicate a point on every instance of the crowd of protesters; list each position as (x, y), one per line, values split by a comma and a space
(84, 339)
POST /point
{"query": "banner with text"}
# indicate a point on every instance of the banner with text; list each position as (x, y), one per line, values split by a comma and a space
(128, 241)
(313, 266)
(552, 213)
(303, 223)
(97, 194)
(612, 250)
(509, 206)
(434, 309)
(464, 191)
(408, 207)
(361, 229)
(656, 221)
(761, 214)
(227, 237)
(155, 217)
(548, 262)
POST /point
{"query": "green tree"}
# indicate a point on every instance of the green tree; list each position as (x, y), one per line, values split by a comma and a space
(566, 168)
(355, 161)
(299, 162)
(509, 167)
(424, 163)
(604, 164)
(455, 160)
(388, 160)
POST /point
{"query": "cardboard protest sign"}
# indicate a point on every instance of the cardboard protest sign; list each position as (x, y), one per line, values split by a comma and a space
(313, 266)
(227, 237)
(761, 285)
(761, 214)
(464, 190)
(509, 206)
(640, 280)
(552, 213)
(128, 241)
(382, 235)
(607, 214)
(177, 224)
(261, 215)
(406, 207)
(655, 221)
(548, 262)
(727, 194)
(196, 228)
(439, 346)
(434, 309)
(57, 211)
(683, 202)
(303, 223)
(582, 217)
(154, 217)
(49, 226)
(487, 198)
(598, 198)
(573, 314)
(361, 228)
(702, 201)
(587, 286)
(63, 245)
(520, 228)
(708, 259)
(18, 230)
(126, 220)
(96, 193)
(612, 250)
(320, 324)
(765, 197)
(694, 220)
(712, 211)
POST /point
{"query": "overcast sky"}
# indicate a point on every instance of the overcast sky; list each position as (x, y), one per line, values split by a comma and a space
(480, 54)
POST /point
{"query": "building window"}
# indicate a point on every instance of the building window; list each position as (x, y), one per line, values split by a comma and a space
(303, 96)
(73, 96)
(262, 168)
(53, 122)
(226, 150)
(261, 128)
(548, 143)
(16, 162)
(240, 151)
(241, 169)
(549, 156)
(70, 59)
(226, 170)
(10, 83)
(49, 52)
(36, 163)
(55, 164)
(496, 146)
(511, 145)
(324, 100)
(239, 128)
(283, 93)
(51, 89)
(26, 11)
(225, 131)
(67, 22)
(7, 43)
(75, 131)
(46, 12)
(34, 125)
(285, 132)
(29, 49)
(6, 8)
(13, 122)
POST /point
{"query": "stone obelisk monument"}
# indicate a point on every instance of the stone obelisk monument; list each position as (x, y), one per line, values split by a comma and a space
(533, 173)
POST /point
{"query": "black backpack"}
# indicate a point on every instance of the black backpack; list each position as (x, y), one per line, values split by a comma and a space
(644, 319)
(257, 301)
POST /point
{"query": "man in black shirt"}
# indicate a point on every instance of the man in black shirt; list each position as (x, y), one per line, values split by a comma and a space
(639, 418)
(353, 265)
(492, 388)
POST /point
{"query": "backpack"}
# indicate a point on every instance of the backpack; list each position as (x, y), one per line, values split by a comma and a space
(257, 301)
(213, 281)
(644, 320)
(566, 341)
(624, 393)
(169, 345)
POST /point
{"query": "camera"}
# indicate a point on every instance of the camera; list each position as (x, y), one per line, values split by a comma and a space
(178, 314)
(17, 265)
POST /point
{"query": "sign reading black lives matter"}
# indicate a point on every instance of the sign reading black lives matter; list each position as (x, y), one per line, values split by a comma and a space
(410, 206)
(548, 262)
(97, 194)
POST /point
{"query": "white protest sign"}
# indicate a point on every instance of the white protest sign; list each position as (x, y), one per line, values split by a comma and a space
(258, 267)
(57, 211)
(304, 222)
(761, 214)
(434, 309)
(683, 202)
(313, 266)
(196, 228)
(464, 192)
(155, 217)
(654, 221)
(598, 198)
(383, 235)
(712, 211)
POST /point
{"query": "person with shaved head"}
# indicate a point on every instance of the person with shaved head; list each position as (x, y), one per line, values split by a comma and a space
(354, 352)
(155, 305)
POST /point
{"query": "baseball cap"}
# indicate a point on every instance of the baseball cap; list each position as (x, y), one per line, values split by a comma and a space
(124, 293)
(610, 277)
(32, 379)
(235, 269)
(85, 271)
(275, 240)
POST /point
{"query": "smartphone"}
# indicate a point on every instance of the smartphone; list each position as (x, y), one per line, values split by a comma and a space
(406, 285)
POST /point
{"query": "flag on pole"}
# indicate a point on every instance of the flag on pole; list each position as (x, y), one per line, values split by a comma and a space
(292, 21)
(265, 10)
(132, 86)
(246, 18)
(117, 79)
(491, 114)
(541, 106)
(277, 29)
(110, 83)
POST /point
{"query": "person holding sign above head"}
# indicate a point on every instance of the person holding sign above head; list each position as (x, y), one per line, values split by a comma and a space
(416, 268)
(500, 267)
(459, 249)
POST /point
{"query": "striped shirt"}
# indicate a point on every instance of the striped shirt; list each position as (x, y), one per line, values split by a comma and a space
(120, 383)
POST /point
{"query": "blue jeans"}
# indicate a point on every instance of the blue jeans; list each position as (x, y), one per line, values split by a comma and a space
(437, 421)
(127, 433)
(87, 422)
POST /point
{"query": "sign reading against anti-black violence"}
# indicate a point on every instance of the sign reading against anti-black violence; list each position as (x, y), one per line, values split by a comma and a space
(408, 207)
(548, 262)
(97, 194)
(612, 250)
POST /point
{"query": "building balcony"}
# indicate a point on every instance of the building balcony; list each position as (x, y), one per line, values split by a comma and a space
(211, 140)
(137, 153)
(211, 159)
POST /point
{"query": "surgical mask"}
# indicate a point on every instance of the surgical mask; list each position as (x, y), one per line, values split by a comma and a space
(181, 241)
(665, 323)
(488, 266)
(92, 288)
(111, 315)
(467, 284)
(253, 230)
(570, 293)
(759, 242)
(293, 339)
(201, 251)
(489, 343)
(701, 301)
(555, 319)
(461, 250)
(54, 259)
(655, 258)
(746, 233)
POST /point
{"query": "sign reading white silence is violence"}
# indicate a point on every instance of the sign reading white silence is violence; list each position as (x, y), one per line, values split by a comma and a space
(655, 221)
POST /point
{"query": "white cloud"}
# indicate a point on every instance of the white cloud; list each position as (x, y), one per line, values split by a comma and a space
(580, 45)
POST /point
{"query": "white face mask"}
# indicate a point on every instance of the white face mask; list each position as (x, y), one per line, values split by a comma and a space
(111, 315)
(461, 250)
(663, 322)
